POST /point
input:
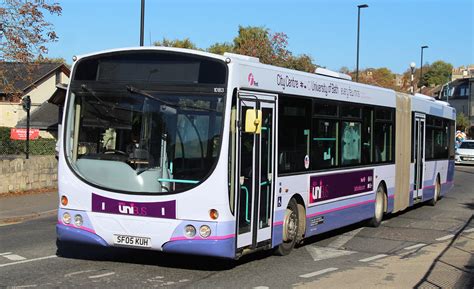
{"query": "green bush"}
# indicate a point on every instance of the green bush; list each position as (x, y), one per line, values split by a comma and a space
(39, 146)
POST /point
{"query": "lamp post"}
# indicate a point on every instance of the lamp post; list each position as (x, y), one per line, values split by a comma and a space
(358, 32)
(412, 77)
(26, 103)
(421, 65)
(142, 22)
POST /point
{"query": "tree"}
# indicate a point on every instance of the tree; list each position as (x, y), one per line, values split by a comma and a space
(437, 73)
(185, 43)
(462, 122)
(301, 63)
(270, 48)
(221, 48)
(254, 41)
(26, 34)
(383, 77)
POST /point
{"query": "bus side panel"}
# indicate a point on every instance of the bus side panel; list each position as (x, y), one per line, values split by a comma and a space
(432, 169)
(323, 218)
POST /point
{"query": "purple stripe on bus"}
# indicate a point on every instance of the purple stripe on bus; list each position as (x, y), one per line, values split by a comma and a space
(201, 238)
(219, 248)
(75, 227)
(340, 208)
(69, 234)
(165, 209)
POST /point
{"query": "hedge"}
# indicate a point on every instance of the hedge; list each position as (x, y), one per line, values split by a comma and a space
(41, 146)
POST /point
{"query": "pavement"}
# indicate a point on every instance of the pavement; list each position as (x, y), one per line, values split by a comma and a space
(16, 208)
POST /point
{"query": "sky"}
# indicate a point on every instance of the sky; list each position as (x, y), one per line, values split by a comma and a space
(391, 31)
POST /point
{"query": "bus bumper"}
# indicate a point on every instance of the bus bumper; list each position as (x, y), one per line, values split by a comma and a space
(71, 234)
(217, 248)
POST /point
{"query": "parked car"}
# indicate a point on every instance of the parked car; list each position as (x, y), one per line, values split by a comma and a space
(465, 153)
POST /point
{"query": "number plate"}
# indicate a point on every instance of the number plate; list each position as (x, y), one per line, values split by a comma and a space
(132, 241)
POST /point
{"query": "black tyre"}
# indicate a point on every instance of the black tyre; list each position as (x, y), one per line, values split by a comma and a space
(437, 193)
(290, 229)
(379, 207)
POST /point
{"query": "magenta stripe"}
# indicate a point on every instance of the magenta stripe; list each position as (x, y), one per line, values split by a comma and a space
(278, 223)
(72, 226)
(340, 208)
(180, 238)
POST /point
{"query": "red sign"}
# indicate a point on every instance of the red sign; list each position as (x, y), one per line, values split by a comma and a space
(20, 133)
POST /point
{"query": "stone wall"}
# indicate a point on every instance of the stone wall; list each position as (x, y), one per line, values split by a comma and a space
(20, 174)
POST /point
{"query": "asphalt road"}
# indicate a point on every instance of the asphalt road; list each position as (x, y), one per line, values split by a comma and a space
(432, 246)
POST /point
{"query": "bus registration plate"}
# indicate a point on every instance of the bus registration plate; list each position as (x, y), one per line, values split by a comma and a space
(133, 241)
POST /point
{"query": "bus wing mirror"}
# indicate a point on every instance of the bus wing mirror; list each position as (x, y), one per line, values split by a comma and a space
(253, 121)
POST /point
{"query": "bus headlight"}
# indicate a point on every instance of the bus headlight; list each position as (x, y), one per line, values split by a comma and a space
(66, 218)
(78, 220)
(205, 231)
(189, 231)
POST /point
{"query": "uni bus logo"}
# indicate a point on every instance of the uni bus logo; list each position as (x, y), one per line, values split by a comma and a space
(318, 191)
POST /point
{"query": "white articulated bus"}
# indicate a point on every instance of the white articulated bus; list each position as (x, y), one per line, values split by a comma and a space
(185, 151)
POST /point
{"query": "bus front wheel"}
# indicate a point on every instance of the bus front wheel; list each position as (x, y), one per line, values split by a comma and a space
(290, 229)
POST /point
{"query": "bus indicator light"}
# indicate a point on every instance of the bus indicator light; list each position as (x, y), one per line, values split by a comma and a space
(214, 214)
(64, 200)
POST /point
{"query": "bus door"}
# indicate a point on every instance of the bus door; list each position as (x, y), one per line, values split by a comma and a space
(419, 156)
(255, 171)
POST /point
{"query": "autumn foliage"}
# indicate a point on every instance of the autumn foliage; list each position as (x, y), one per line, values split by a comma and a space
(24, 36)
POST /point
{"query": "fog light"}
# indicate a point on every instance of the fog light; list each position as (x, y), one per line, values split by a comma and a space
(66, 218)
(64, 200)
(214, 214)
(189, 231)
(78, 220)
(205, 231)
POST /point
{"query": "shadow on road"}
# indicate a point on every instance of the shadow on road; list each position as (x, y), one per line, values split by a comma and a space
(461, 277)
(153, 258)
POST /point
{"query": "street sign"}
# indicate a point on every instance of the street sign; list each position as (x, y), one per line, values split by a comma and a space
(20, 133)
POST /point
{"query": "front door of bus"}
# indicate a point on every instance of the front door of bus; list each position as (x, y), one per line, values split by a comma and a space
(419, 156)
(255, 171)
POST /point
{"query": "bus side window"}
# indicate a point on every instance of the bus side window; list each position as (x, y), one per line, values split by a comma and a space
(324, 149)
(293, 133)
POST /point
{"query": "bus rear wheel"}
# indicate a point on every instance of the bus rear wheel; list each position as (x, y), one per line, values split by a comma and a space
(437, 192)
(290, 229)
(379, 207)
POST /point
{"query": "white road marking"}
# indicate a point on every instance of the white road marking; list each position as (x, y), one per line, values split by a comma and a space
(415, 246)
(261, 287)
(469, 230)
(77, 273)
(322, 253)
(344, 238)
(373, 258)
(14, 257)
(25, 286)
(6, 253)
(447, 237)
(29, 260)
(317, 273)
(101, 275)
(9, 224)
